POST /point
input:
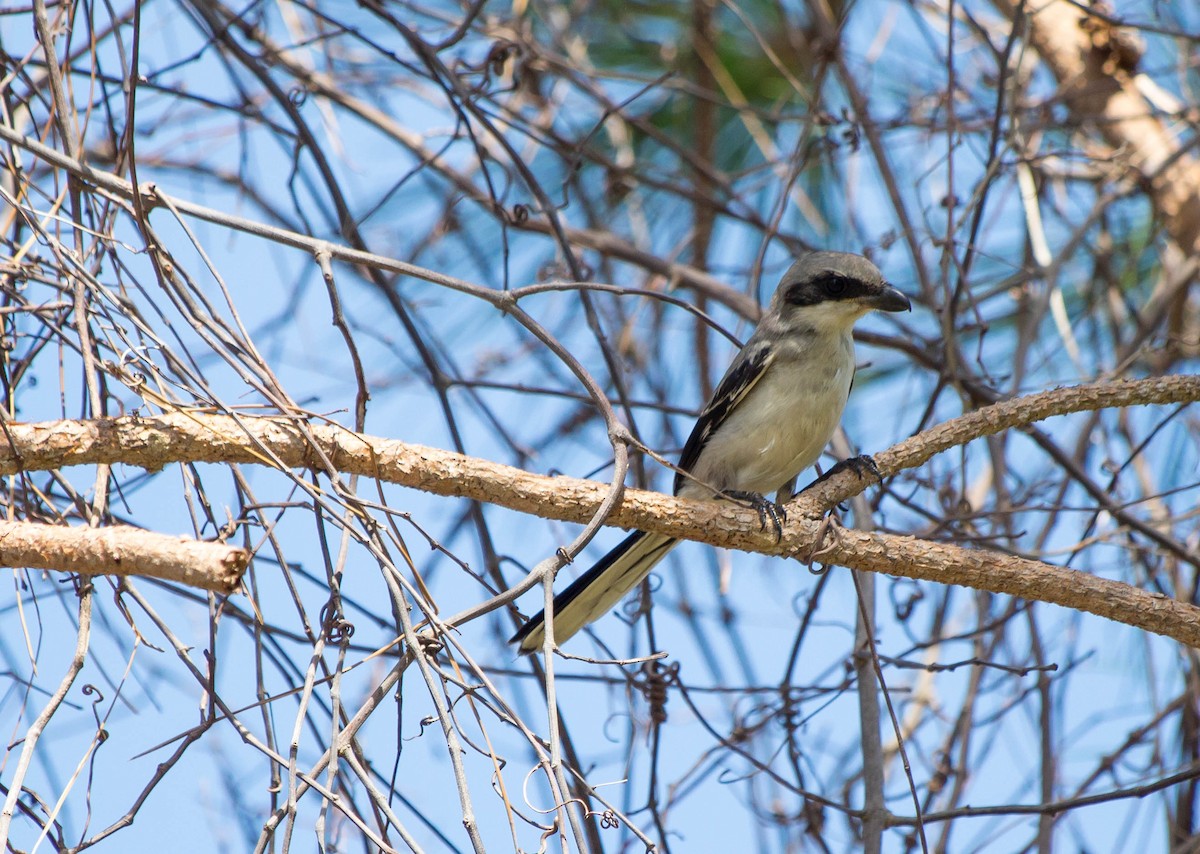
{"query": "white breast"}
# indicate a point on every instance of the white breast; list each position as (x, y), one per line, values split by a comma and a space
(783, 424)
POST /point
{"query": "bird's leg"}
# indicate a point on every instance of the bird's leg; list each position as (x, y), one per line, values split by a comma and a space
(767, 509)
(786, 492)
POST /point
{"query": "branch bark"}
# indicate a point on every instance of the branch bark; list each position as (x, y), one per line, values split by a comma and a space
(122, 550)
(290, 443)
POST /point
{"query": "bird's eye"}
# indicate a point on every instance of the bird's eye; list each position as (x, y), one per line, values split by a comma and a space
(835, 286)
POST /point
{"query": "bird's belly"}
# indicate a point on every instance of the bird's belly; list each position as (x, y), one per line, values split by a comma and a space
(775, 433)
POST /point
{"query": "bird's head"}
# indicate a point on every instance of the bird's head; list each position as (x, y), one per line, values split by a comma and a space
(829, 291)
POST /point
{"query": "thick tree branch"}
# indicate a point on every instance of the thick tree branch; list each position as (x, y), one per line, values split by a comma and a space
(200, 437)
(121, 550)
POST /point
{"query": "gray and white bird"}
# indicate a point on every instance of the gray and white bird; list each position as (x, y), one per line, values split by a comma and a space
(770, 418)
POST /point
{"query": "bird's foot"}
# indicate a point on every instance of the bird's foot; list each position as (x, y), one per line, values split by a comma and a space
(767, 509)
(862, 465)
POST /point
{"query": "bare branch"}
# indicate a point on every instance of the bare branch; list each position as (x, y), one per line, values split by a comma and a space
(122, 550)
(199, 437)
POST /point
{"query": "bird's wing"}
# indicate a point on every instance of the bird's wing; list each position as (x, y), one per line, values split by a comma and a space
(745, 372)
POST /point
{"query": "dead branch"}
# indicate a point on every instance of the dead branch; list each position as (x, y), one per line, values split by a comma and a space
(122, 550)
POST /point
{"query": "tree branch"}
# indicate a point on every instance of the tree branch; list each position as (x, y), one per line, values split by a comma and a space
(122, 550)
(1007, 414)
(284, 443)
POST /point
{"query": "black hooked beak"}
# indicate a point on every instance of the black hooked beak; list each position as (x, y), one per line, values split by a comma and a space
(888, 299)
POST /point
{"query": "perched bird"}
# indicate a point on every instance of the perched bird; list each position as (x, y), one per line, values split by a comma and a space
(770, 418)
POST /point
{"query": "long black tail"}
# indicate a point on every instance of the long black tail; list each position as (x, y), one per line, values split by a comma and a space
(594, 593)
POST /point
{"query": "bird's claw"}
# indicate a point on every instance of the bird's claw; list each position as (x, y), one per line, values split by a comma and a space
(863, 465)
(766, 508)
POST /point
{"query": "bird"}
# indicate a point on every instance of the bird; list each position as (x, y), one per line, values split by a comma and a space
(769, 419)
